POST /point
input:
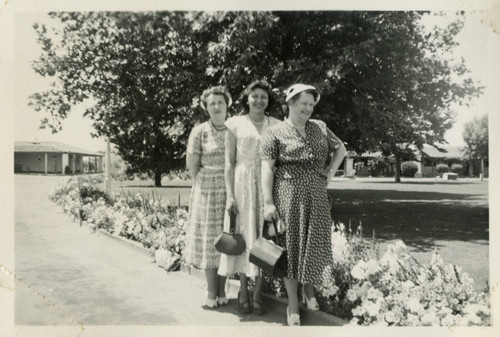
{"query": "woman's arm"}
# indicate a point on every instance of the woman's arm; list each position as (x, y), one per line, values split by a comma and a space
(337, 158)
(230, 154)
(193, 163)
(267, 172)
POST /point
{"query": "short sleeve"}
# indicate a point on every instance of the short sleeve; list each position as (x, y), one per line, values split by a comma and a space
(194, 142)
(269, 147)
(231, 125)
(333, 141)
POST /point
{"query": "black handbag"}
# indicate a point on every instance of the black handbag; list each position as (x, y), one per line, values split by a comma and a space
(230, 243)
(268, 256)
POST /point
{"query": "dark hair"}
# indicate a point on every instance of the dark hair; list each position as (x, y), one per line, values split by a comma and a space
(215, 90)
(258, 84)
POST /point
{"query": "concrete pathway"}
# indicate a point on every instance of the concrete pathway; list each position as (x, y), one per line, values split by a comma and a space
(68, 275)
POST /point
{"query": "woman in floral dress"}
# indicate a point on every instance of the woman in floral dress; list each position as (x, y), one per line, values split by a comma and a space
(243, 186)
(298, 156)
(205, 160)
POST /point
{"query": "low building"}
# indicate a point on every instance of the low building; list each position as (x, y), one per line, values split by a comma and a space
(426, 162)
(55, 158)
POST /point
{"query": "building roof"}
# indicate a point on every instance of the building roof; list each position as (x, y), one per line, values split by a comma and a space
(52, 147)
(451, 151)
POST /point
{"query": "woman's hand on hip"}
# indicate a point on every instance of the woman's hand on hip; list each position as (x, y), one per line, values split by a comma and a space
(231, 205)
(270, 212)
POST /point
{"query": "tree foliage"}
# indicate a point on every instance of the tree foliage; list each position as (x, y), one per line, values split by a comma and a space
(387, 83)
(475, 135)
(136, 73)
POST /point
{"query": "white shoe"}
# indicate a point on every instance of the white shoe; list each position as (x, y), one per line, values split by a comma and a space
(222, 300)
(293, 319)
(211, 304)
(312, 303)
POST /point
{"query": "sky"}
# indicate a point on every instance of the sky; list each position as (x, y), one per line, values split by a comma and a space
(479, 47)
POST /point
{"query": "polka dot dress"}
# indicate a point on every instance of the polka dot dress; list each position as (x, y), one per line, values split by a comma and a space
(300, 196)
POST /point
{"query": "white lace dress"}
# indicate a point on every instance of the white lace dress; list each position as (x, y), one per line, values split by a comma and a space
(247, 191)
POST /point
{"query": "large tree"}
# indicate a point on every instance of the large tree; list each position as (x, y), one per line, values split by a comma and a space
(387, 83)
(475, 135)
(135, 74)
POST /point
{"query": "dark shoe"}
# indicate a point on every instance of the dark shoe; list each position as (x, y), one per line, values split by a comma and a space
(257, 307)
(244, 306)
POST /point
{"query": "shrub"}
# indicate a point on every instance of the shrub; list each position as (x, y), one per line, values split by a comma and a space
(408, 169)
(376, 166)
(457, 168)
(442, 168)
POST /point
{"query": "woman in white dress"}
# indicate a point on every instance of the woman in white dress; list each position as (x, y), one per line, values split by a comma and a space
(243, 186)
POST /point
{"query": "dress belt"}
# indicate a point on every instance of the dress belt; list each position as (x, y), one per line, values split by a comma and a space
(213, 167)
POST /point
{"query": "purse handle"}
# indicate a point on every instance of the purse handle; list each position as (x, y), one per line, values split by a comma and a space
(269, 223)
(232, 222)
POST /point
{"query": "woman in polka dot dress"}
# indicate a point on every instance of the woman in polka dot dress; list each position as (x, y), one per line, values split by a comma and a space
(301, 153)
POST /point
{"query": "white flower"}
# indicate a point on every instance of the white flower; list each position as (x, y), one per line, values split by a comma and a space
(339, 247)
(359, 310)
(390, 317)
(474, 319)
(407, 285)
(430, 318)
(374, 294)
(372, 267)
(330, 291)
(448, 320)
(414, 305)
(352, 295)
(372, 308)
(359, 271)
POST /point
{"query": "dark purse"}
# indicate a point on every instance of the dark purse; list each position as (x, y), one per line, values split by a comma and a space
(268, 256)
(230, 243)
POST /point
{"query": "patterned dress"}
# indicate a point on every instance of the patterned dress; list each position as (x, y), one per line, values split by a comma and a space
(208, 197)
(300, 196)
(247, 191)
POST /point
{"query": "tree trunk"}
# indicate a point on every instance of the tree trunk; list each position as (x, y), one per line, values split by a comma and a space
(482, 169)
(398, 170)
(157, 179)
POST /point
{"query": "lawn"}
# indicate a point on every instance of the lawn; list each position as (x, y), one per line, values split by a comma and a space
(427, 214)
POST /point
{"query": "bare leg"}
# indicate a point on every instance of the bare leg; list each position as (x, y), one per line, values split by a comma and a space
(291, 286)
(257, 296)
(309, 290)
(259, 283)
(221, 286)
(243, 288)
(211, 275)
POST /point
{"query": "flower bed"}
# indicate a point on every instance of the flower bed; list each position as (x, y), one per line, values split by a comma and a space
(394, 289)
(142, 218)
(364, 286)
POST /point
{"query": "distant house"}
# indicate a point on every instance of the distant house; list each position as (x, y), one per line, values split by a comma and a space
(426, 162)
(451, 155)
(55, 158)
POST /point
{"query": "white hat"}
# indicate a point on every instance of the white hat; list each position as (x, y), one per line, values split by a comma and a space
(297, 89)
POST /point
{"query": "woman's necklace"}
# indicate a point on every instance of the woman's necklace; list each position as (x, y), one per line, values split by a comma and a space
(218, 128)
(257, 123)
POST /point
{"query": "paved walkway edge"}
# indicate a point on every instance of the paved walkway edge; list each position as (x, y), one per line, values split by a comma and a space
(319, 316)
